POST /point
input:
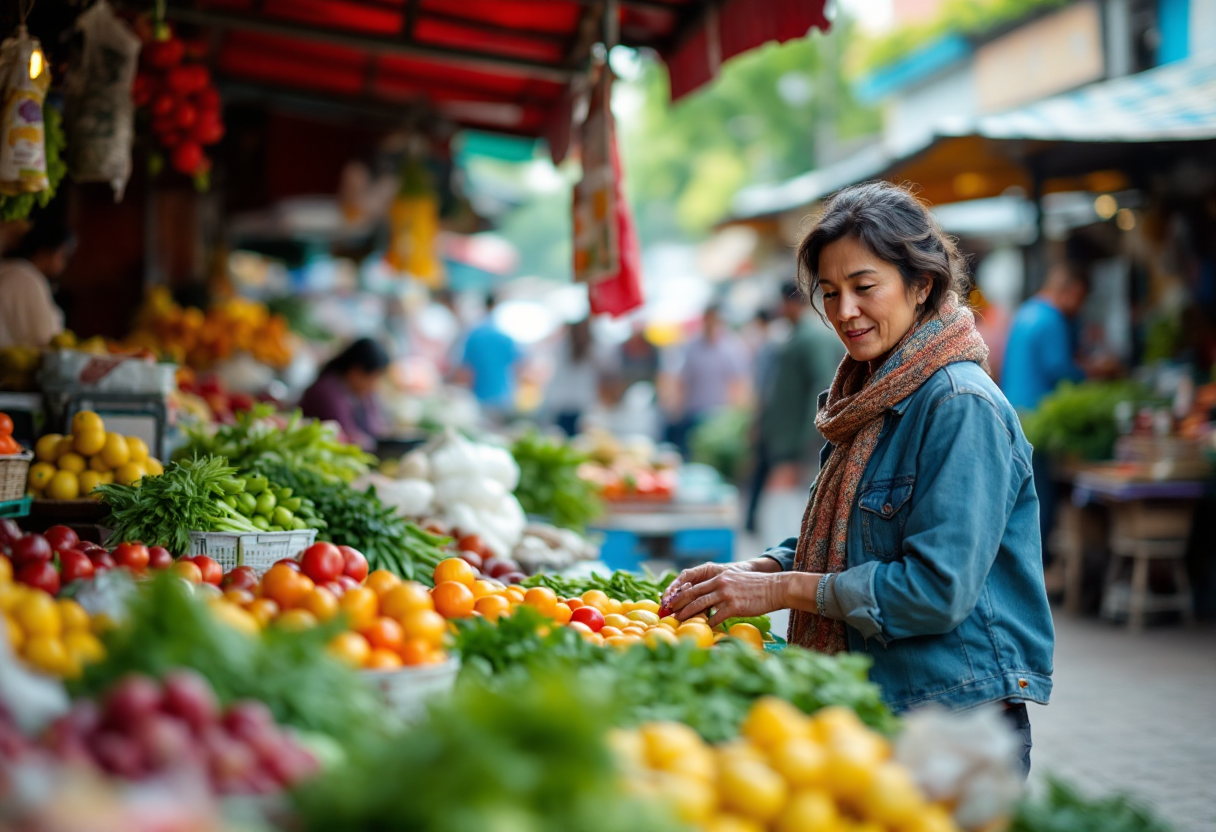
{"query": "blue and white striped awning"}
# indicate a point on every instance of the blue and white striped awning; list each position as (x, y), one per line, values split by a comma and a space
(1175, 102)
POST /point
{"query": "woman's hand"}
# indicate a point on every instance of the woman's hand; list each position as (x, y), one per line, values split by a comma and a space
(733, 590)
(699, 574)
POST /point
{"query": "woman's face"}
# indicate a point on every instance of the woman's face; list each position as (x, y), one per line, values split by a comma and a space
(362, 382)
(865, 300)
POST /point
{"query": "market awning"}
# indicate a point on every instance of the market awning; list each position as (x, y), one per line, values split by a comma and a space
(501, 65)
(986, 157)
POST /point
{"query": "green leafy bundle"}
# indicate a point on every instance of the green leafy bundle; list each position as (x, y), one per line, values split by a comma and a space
(1063, 809)
(621, 585)
(721, 442)
(299, 443)
(14, 208)
(531, 757)
(360, 520)
(168, 626)
(549, 483)
(1078, 420)
(710, 690)
(163, 510)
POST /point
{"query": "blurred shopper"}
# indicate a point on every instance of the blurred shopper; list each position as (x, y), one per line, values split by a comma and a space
(992, 321)
(919, 548)
(787, 442)
(713, 375)
(28, 314)
(638, 359)
(345, 392)
(489, 364)
(575, 385)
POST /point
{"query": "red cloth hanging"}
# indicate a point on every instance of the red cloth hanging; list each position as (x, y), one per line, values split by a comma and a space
(623, 292)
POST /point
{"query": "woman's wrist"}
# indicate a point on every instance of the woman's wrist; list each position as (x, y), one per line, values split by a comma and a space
(800, 590)
(763, 564)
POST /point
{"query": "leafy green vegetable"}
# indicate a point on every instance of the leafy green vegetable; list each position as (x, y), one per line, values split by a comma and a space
(168, 627)
(549, 483)
(1079, 419)
(721, 442)
(621, 585)
(1063, 809)
(299, 443)
(13, 208)
(711, 690)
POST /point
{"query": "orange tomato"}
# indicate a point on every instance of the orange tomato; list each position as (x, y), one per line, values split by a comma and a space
(381, 581)
(415, 651)
(351, 648)
(492, 607)
(608, 631)
(380, 659)
(360, 605)
(296, 620)
(515, 593)
(596, 598)
(424, 625)
(454, 569)
(188, 570)
(633, 631)
(405, 598)
(573, 603)
(240, 597)
(283, 585)
(453, 599)
(542, 599)
(483, 588)
(384, 634)
(320, 602)
(263, 610)
(561, 613)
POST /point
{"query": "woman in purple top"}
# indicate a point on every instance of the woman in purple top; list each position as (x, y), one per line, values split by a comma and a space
(344, 392)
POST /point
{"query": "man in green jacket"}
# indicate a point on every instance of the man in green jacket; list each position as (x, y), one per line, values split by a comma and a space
(787, 444)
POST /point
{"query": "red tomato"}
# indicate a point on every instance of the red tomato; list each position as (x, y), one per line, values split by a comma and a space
(102, 560)
(40, 575)
(590, 616)
(243, 577)
(322, 562)
(290, 563)
(187, 157)
(159, 557)
(471, 543)
(354, 565)
(208, 130)
(213, 573)
(61, 538)
(74, 566)
(32, 548)
(208, 100)
(336, 588)
(163, 105)
(347, 582)
(134, 556)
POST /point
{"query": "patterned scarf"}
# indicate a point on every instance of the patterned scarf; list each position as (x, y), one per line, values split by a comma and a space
(852, 421)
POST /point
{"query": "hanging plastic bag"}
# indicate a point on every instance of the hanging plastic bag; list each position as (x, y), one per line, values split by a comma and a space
(622, 292)
(24, 80)
(98, 108)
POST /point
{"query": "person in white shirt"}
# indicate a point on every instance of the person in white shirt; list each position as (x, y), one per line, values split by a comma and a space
(28, 314)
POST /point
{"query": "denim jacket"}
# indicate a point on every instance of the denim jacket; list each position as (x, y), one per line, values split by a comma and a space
(944, 585)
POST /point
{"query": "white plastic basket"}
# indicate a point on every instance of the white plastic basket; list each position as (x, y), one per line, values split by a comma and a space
(259, 550)
(407, 690)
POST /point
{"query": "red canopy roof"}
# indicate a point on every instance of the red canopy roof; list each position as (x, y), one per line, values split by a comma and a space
(501, 65)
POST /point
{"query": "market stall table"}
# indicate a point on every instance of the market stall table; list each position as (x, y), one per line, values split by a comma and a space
(694, 532)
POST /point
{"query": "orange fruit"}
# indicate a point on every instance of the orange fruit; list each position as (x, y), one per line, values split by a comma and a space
(633, 631)
(515, 594)
(380, 659)
(455, 569)
(542, 599)
(453, 599)
(360, 605)
(483, 588)
(596, 598)
(608, 631)
(188, 570)
(574, 603)
(240, 597)
(404, 598)
(561, 613)
(263, 610)
(351, 648)
(415, 651)
(320, 602)
(424, 625)
(283, 585)
(384, 634)
(381, 581)
(296, 620)
(492, 607)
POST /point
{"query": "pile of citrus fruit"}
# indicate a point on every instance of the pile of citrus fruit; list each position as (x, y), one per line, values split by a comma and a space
(54, 636)
(787, 772)
(70, 467)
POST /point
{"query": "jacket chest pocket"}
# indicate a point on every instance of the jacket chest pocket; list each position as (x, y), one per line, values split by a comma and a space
(884, 511)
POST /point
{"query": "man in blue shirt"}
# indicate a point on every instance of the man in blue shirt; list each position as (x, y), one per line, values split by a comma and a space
(1038, 356)
(489, 360)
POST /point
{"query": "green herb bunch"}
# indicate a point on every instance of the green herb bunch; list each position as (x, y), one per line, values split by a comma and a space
(549, 483)
(1078, 420)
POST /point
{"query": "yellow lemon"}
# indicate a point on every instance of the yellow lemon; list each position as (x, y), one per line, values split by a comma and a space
(137, 448)
(86, 421)
(98, 464)
(107, 477)
(752, 789)
(66, 445)
(153, 467)
(63, 486)
(800, 761)
(44, 448)
(696, 632)
(657, 634)
(809, 810)
(73, 462)
(38, 614)
(129, 474)
(772, 720)
(646, 617)
(6, 571)
(749, 633)
(89, 442)
(692, 798)
(72, 616)
(41, 473)
(666, 741)
(48, 654)
(83, 646)
(732, 823)
(892, 799)
(16, 636)
(115, 453)
(88, 481)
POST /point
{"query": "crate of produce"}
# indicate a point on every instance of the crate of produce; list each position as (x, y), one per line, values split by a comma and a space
(258, 550)
(15, 508)
(407, 690)
(14, 474)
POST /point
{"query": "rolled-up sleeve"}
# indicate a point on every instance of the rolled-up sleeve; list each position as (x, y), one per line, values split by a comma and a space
(783, 553)
(954, 528)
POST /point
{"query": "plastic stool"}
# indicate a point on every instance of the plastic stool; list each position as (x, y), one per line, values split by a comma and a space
(1136, 601)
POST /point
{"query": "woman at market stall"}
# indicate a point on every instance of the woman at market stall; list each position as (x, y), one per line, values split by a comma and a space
(920, 543)
(345, 392)
(28, 314)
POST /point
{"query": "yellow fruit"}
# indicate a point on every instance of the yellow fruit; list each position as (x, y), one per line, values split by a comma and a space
(137, 448)
(752, 789)
(701, 765)
(89, 442)
(107, 477)
(63, 486)
(809, 811)
(66, 445)
(800, 761)
(41, 474)
(616, 620)
(731, 823)
(85, 421)
(693, 799)
(296, 620)
(850, 768)
(83, 646)
(72, 616)
(771, 721)
(657, 634)
(16, 636)
(129, 474)
(6, 571)
(48, 654)
(116, 452)
(628, 748)
(236, 618)
(749, 633)
(646, 617)
(98, 464)
(88, 481)
(933, 818)
(892, 799)
(666, 741)
(153, 467)
(46, 447)
(72, 461)
(696, 632)
(647, 605)
(11, 594)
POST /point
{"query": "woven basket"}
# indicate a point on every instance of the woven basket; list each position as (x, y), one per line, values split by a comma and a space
(14, 474)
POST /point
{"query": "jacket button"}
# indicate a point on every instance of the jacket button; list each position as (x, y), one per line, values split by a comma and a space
(1022, 683)
(887, 509)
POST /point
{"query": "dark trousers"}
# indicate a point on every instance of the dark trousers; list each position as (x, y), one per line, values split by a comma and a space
(567, 420)
(679, 433)
(760, 471)
(1019, 721)
(1045, 487)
